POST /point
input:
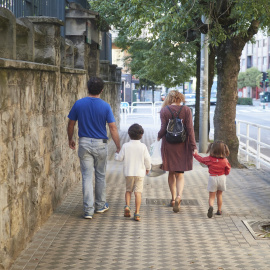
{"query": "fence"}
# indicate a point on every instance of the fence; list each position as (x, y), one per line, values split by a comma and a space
(50, 8)
(251, 145)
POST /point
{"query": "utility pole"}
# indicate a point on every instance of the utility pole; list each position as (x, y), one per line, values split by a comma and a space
(203, 129)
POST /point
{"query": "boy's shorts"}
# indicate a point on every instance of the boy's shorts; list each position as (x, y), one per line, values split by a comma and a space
(217, 182)
(134, 183)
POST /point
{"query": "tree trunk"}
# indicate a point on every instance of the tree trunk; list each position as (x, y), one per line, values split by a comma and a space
(197, 103)
(228, 66)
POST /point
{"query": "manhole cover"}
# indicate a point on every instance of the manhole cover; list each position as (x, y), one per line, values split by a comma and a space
(166, 202)
(260, 229)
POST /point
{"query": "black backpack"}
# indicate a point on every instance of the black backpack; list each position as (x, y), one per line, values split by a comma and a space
(176, 131)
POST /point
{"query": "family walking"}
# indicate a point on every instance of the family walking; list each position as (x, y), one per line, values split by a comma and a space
(92, 114)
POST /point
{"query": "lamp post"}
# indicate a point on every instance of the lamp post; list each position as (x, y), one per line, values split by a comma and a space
(203, 129)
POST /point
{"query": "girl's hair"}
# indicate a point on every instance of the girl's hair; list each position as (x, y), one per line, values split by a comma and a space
(173, 96)
(218, 149)
(135, 132)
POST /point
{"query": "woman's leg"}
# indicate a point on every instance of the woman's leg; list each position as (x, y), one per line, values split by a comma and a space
(172, 184)
(180, 182)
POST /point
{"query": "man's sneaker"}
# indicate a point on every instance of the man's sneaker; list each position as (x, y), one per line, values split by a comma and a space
(103, 209)
(87, 216)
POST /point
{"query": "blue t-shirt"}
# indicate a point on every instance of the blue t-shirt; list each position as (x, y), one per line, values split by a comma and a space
(92, 115)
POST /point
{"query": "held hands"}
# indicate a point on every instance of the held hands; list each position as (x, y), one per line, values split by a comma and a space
(147, 171)
(195, 152)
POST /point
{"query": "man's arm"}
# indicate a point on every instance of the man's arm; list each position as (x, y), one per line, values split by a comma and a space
(115, 135)
(70, 131)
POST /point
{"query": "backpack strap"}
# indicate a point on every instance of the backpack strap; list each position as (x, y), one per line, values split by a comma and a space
(177, 113)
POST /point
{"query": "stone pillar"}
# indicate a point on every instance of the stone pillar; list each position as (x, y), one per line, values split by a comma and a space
(25, 36)
(94, 62)
(7, 34)
(67, 53)
(47, 48)
(81, 29)
(112, 75)
(104, 70)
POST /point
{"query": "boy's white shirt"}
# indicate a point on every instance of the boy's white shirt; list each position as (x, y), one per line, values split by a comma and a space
(136, 158)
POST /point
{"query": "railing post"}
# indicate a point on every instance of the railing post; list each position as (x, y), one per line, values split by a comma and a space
(238, 134)
(258, 163)
(247, 142)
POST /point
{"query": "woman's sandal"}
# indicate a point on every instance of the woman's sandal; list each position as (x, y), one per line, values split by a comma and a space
(172, 203)
(137, 217)
(126, 211)
(176, 207)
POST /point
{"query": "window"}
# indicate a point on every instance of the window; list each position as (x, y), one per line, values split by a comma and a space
(243, 62)
(249, 48)
(265, 61)
(249, 61)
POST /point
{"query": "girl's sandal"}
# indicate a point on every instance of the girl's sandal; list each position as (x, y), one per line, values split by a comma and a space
(176, 207)
(127, 211)
(137, 217)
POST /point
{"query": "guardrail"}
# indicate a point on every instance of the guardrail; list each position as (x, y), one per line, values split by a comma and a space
(249, 150)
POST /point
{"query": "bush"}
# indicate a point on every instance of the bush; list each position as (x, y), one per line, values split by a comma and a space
(245, 101)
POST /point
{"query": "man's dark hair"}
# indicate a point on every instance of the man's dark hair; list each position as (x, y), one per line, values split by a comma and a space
(95, 85)
(135, 132)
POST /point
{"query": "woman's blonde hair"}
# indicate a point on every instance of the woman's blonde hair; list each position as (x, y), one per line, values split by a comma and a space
(218, 149)
(173, 96)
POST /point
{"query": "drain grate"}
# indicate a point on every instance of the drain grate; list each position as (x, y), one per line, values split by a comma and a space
(166, 202)
(260, 229)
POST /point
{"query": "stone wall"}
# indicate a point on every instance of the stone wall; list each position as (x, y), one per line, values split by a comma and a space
(39, 83)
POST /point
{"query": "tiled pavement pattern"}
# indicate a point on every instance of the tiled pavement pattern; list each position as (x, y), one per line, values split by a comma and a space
(163, 239)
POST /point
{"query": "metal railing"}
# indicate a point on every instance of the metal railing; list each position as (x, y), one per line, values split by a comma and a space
(251, 145)
(50, 8)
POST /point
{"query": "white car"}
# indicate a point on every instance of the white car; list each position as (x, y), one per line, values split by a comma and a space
(190, 99)
(213, 98)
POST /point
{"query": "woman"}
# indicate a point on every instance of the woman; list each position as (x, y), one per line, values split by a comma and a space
(177, 158)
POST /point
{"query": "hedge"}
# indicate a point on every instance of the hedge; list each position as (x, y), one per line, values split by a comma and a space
(245, 101)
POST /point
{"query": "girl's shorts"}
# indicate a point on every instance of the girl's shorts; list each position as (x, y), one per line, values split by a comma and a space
(217, 182)
(134, 183)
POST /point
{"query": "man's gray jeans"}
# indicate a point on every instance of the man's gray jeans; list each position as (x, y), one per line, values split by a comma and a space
(93, 159)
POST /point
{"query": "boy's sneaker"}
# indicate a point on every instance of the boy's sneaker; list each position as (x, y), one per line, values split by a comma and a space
(219, 213)
(210, 212)
(103, 209)
(87, 216)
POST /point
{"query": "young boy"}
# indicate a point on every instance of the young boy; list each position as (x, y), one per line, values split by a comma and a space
(137, 163)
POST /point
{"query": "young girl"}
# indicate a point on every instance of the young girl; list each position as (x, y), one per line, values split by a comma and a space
(219, 167)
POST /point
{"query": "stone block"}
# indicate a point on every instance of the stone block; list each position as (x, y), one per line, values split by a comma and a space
(24, 40)
(67, 53)
(8, 34)
(104, 70)
(47, 50)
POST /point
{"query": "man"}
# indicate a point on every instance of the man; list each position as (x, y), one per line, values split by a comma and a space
(92, 114)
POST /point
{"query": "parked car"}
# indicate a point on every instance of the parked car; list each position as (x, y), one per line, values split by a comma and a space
(213, 98)
(190, 99)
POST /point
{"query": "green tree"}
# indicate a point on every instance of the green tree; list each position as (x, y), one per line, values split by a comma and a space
(251, 77)
(176, 24)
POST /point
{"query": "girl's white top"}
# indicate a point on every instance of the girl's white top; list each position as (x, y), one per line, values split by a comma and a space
(136, 158)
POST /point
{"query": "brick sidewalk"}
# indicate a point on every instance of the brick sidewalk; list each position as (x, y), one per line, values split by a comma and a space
(163, 239)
